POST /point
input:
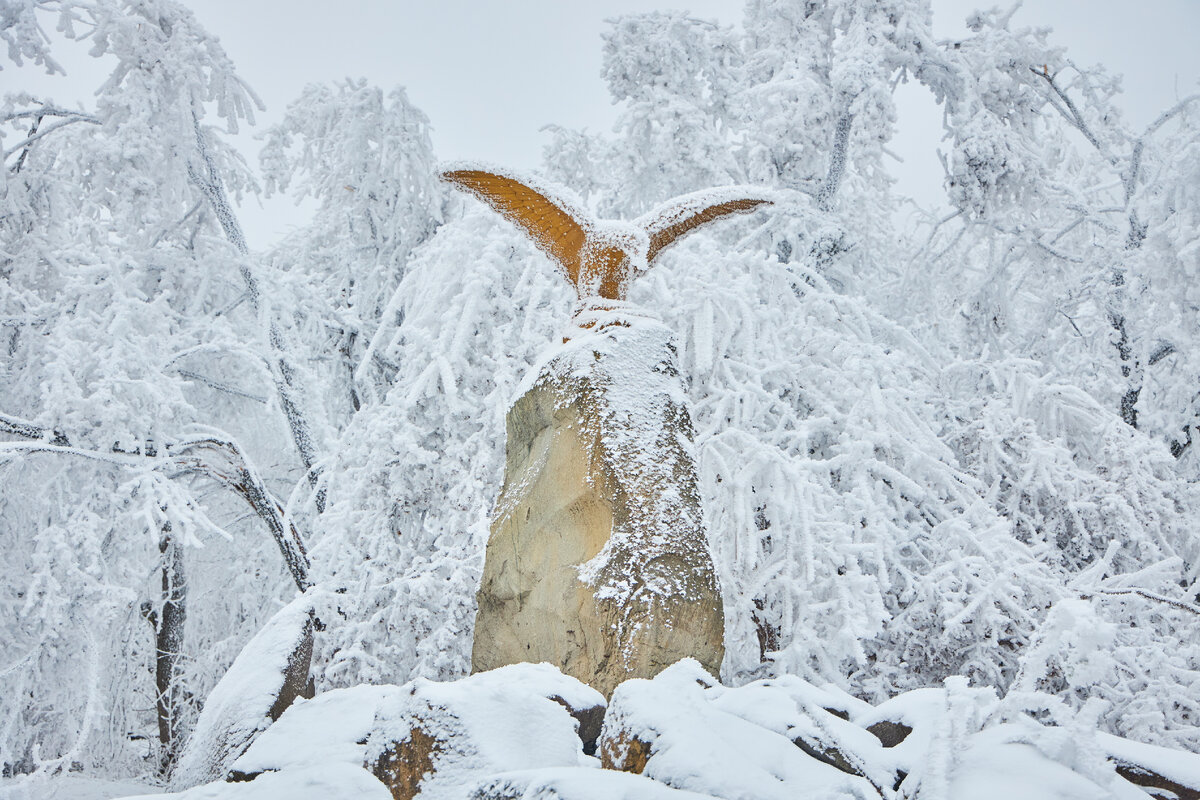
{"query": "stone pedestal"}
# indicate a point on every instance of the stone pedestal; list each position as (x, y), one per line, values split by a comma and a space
(597, 560)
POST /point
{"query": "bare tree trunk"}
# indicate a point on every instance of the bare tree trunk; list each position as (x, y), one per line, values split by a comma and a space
(168, 646)
(1131, 368)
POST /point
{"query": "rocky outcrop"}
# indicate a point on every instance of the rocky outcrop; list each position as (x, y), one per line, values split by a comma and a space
(688, 732)
(597, 560)
(435, 739)
(267, 676)
(514, 734)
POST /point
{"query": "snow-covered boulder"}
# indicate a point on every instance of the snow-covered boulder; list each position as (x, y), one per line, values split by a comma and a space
(333, 727)
(1155, 768)
(267, 676)
(597, 560)
(784, 737)
(816, 720)
(671, 730)
(961, 740)
(513, 734)
(439, 738)
(434, 738)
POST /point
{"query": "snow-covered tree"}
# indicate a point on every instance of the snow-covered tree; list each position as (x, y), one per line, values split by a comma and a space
(911, 453)
(130, 365)
(966, 452)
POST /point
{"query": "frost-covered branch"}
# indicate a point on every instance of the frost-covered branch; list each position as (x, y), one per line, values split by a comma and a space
(37, 132)
(1153, 596)
(1072, 113)
(218, 458)
(837, 162)
(49, 111)
(1135, 158)
(23, 35)
(29, 430)
(206, 176)
(221, 387)
(223, 460)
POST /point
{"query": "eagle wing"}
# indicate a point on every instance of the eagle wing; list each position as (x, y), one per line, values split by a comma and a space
(672, 220)
(553, 225)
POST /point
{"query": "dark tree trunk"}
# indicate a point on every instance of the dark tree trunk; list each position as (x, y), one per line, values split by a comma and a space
(168, 647)
(1131, 368)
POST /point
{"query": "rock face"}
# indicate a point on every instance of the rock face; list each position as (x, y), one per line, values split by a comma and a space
(597, 560)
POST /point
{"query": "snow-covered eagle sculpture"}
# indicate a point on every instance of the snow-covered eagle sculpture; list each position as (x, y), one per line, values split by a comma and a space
(600, 257)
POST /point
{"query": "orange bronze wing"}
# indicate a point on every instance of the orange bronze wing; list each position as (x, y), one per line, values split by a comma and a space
(676, 218)
(553, 228)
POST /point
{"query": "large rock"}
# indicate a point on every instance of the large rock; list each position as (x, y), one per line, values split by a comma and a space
(676, 730)
(434, 739)
(597, 560)
(267, 676)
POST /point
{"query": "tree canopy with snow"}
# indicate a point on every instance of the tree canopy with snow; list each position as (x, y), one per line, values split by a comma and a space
(963, 449)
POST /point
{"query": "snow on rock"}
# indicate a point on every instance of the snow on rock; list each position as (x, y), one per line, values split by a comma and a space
(1175, 771)
(433, 738)
(811, 718)
(956, 742)
(906, 725)
(332, 727)
(268, 674)
(576, 783)
(991, 767)
(582, 702)
(513, 734)
(597, 560)
(670, 729)
(324, 782)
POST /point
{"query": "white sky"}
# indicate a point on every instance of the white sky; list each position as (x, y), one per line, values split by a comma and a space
(490, 74)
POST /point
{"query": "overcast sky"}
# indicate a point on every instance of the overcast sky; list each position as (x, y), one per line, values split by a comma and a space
(491, 74)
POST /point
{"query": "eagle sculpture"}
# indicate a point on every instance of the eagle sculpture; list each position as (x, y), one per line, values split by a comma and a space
(600, 257)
